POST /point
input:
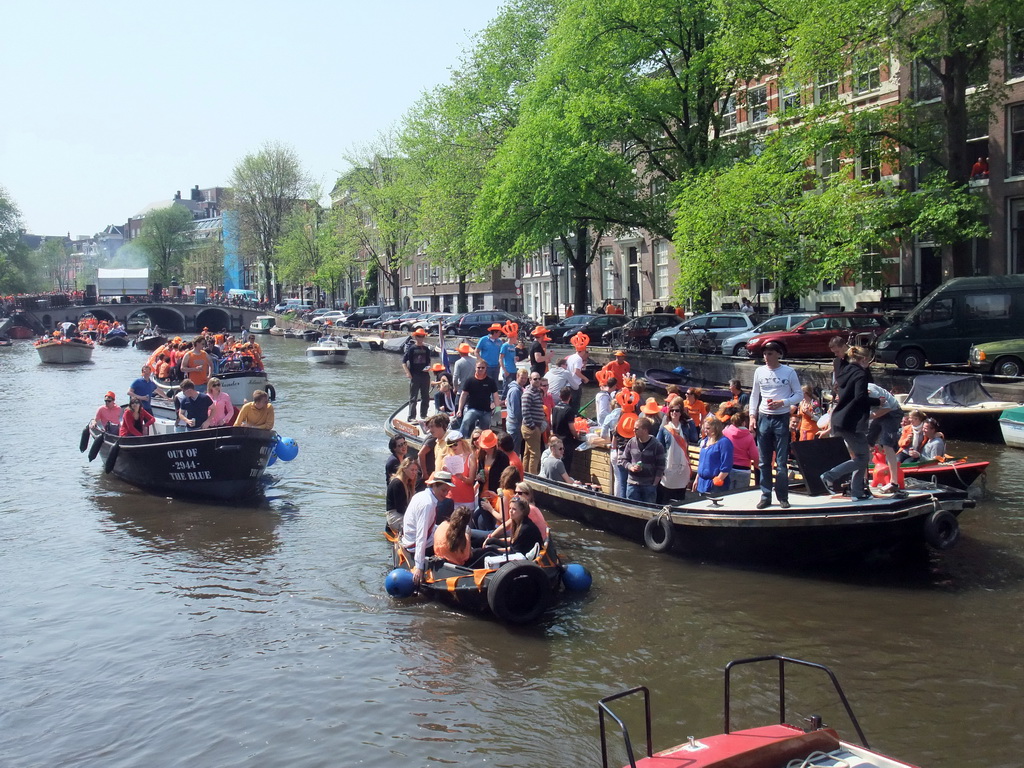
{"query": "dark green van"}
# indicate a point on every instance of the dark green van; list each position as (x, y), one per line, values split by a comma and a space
(957, 314)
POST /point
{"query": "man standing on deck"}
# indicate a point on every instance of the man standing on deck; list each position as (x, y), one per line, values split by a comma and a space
(142, 389)
(196, 364)
(539, 354)
(514, 408)
(488, 349)
(416, 361)
(534, 423)
(479, 399)
(776, 388)
(463, 369)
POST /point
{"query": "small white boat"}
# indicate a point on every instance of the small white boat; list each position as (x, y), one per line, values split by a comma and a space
(330, 351)
(1011, 423)
(953, 399)
(262, 324)
(60, 351)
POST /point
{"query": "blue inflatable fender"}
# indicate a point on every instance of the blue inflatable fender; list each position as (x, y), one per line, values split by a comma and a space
(576, 578)
(399, 583)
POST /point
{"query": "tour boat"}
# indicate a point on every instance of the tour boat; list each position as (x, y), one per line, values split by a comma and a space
(953, 399)
(65, 350)
(328, 351)
(781, 744)
(1011, 423)
(149, 342)
(224, 463)
(238, 385)
(118, 340)
(516, 591)
(262, 324)
(660, 379)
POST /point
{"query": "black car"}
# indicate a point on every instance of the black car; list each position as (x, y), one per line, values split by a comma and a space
(594, 326)
(475, 324)
(372, 313)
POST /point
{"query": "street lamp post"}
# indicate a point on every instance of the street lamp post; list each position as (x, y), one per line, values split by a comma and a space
(555, 266)
(434, 279)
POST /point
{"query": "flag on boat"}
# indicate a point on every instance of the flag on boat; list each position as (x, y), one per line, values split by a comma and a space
(440, 341)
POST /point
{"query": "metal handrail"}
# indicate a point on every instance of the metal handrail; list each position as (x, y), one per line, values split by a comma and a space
(602, 708)
(783, 660)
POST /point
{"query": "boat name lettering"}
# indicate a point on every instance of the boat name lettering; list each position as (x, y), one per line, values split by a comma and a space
(182, 453)
(180, 465)
(191, 476)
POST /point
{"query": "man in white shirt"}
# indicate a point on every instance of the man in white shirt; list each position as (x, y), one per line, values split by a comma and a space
(574, 364)
(418, 527)
(776, 388)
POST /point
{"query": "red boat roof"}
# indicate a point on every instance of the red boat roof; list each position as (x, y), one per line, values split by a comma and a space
(765, 747)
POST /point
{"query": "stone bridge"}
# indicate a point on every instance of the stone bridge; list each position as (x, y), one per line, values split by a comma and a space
(178, 318)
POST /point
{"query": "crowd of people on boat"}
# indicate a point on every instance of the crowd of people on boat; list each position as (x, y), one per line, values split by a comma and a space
(741, 443)
(205, 355)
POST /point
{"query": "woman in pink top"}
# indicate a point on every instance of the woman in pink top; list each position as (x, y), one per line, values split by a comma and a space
(744, 451)
(222, 412)
(108, 416)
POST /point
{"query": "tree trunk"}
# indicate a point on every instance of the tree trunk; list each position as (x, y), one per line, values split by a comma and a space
(463, 303)
(956, 258)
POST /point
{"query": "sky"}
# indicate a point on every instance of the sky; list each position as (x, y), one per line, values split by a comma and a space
(110, 106)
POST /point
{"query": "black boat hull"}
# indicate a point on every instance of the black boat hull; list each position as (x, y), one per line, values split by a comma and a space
(223, 464)
(150, 343)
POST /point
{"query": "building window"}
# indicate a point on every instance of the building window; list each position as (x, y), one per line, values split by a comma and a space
(830, 286)
(926, 84)
(1016, 142)
(1015, 56)
(869, 160)
(827, 88)
(1016, 255)
(661, 269)
(729, 114)
(867, 73)
(789, 99)
(757, 104)
(608, 272)
(658, 186)
(828, 161)
(871, 270)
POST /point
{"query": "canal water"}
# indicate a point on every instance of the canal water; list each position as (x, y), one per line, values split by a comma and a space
(143, 631)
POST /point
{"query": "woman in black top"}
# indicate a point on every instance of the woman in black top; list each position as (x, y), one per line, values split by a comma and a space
(401, 488)
(850, 422)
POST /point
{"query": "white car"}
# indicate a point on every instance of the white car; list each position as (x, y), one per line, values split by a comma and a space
(737, 344)
(336, 317)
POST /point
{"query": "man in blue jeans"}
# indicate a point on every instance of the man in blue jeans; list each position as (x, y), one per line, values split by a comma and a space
(644, 461)
(479, 398)
(776, 388)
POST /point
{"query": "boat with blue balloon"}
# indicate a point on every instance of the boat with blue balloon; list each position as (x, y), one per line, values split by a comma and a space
(220, 464)
(513, 589)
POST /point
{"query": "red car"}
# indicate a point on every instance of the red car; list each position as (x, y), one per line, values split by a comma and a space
(811, 337)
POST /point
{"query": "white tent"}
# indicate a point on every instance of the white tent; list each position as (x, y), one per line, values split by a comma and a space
(122, 282)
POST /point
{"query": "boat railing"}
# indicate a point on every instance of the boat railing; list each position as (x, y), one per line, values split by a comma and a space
(603, 709)
(783, 661)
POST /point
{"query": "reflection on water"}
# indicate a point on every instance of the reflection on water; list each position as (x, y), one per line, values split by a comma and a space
(144, 631)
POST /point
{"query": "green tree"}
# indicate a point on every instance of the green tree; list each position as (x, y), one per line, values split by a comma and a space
(16, 268)
(377, 214)
(452, 133)
(165, 239)
(952, 41)
(308, 244)
(265, 186)
(55, 257)
(623, 104)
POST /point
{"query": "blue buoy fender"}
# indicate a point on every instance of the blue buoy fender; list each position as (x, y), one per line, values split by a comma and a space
(399, 583)
(576, 578)
(287, 449)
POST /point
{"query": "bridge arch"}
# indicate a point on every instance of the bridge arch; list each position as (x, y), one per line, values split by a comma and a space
(214, 318)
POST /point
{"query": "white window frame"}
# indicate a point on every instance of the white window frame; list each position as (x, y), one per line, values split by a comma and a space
(661, 291)
(826, 89)
(757, 104)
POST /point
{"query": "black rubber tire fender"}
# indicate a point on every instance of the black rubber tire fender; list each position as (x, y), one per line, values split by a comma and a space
(83, 443)
(517, 592)
(108, 465)
(941, 530)
(658, 534)
(271, 392)
(95, 448)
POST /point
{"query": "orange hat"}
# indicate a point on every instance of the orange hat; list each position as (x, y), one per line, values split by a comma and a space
(620, 353)
(495, 327)
(419, 332)
(437, 367)
(651, 407)
(511, 329)
(580, 341)
(603, 376)
(488, 439)
(464, 348)
(111, 395)
(540, 330)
